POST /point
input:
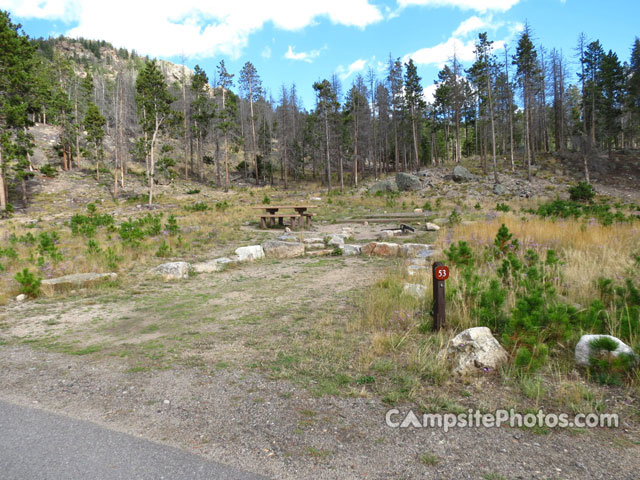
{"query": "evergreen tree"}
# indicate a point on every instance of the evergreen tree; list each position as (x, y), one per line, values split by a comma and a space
(16, 85)
(154, 112)
(326, 104)
(612, 89)
(415, 103)
(227, 114)
(633, 89)
(203, 113)
(251, 85)
(526, 60)
(94, 124)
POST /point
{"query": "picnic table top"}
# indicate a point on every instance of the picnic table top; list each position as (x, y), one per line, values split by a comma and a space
(277, 207)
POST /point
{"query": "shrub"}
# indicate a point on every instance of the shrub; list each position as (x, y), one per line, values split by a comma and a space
(172, 226)
(193, 191)
(47, 245)
(503, 207)
(29, 283)
(88, 224)
(454, 217)
(111, 259)
(605, 367)
(48, 170)
(164, 250)
(266, 200)
(582, 192)
(197, 207)
(460, 254)
(222, 206)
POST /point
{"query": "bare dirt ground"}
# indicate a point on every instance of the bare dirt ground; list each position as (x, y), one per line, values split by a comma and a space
(200, 365)
(210, 401)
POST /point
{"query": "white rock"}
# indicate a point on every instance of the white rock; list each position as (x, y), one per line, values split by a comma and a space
(413, 249)
(289, 237)
(348, 249)
(431, 227)
(417, 210)
(584, 350)
(336, 239)
(415, 290)
(172, 271)
(385, 235)
(21, 298)
(476, 351)
(315, 246)
(216, 265)
(250, 253)
(315, 199)
(51, 286)
(278, 249)
(313, 240)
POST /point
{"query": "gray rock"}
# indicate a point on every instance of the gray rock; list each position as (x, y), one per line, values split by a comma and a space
(384, 186)
(313, 240)
(412, 249)
(21, 298)
(314, 246)
(216, 265)
(250, 253)
(431, 227)
(584, 351)
(499, 189)
(51, 286)
(278, 249)
(407, 182)
(384, 235)
(475, 351)
(415, 290)
(336, 239)
(461, 174)
(289, 237)
(172, 271)
(348, 250)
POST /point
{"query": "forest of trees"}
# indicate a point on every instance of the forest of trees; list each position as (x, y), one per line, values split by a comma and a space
(504, 110)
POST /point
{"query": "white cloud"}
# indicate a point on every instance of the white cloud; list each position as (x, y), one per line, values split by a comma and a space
(440, 54)
(196, 27)
(472, 24)
(266, 52)
(302, 56)
(429, 92)
(477, 5)
(355, 67)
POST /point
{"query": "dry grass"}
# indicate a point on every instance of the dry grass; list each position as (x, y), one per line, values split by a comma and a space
(588, 251)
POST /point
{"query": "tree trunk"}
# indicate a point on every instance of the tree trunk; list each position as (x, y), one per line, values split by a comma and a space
(326, 132)
(3, 186)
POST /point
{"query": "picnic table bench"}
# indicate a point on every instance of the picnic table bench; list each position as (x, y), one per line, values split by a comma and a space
(273, 212)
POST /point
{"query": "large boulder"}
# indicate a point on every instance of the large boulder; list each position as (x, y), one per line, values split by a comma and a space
(476, 351)
(51, 286)
(289, 237)
(584, 351)
(381, 249)
(172, 271)
(431, 227)
(250, 253)
(499, 189)
(413, 249)
(337, 239)
(384, 186)
(278, 249)
(349, 250)
(407, 182)
(461, 174)
(216, 265)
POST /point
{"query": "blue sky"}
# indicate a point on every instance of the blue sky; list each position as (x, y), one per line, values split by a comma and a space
(303, 41)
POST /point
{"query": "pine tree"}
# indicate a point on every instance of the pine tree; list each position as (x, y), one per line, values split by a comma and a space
(202, 114)
(251, 85)
(16, 84)
(227, 114)
(526, 61)
(612, 88)
(415, 103)
(154, 112)
(94, 124)
(326, 104)
(633, 89)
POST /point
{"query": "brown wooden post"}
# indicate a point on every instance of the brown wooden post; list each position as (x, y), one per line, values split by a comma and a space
(438, 297)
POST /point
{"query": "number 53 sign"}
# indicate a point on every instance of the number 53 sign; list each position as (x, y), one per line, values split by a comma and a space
(441, 273)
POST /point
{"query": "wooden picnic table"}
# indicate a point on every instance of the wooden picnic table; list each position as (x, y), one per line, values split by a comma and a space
(299, 218)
